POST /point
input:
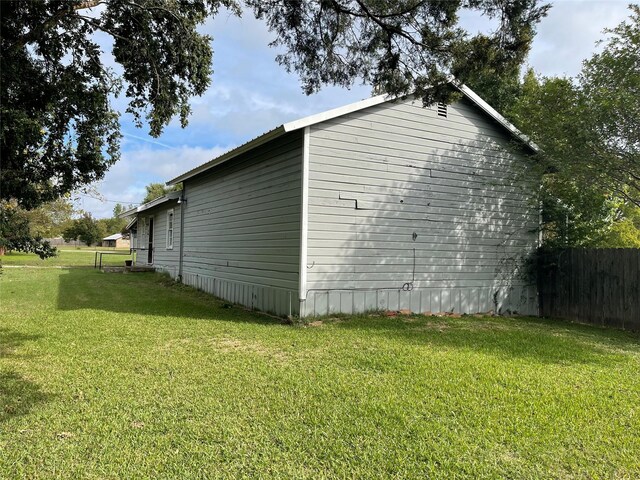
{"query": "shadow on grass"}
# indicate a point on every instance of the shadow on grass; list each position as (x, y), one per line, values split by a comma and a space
(18, 395)
(539, 340)
(10, 340)
(145, 293)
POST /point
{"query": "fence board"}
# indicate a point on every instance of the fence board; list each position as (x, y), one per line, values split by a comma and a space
(599, 286)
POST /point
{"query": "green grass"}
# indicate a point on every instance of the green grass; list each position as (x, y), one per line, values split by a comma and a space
(128, 376)
(75, 257)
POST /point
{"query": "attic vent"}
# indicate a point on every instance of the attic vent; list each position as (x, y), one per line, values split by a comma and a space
(442, 110)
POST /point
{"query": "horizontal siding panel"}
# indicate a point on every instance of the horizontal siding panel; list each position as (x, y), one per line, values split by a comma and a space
(265, 214)
(425, 184)
(405, 269)
(376, 285)
(427, 150)
(414, 131)
(460, 118)
(380, 175)
(392, 229)
(428, 190)
(358, 218)
(404, 257)
(433, 144)
(421, 242)
(243, 223)
(412, 162)
(497, 185)
(255, 277)
(411, 206)
(370, 214)
(470, 203)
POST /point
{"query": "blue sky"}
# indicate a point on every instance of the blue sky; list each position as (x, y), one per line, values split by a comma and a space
(250, 94)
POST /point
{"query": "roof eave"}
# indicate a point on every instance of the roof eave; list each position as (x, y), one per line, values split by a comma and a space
(493, 113)
(264, 138)
(154, 203)
(336, 112)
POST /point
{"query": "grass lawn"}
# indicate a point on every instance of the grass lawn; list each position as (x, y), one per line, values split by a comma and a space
(75, 257)
(128, 376)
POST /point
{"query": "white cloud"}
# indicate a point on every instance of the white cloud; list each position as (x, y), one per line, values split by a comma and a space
(126, 180)
(569, 33)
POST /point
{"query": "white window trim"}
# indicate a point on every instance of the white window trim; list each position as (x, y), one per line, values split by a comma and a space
(173, 219)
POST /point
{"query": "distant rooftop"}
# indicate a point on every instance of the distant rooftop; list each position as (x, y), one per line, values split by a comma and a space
(115, 236)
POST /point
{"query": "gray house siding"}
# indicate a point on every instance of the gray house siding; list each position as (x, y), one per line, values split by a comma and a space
(164, 259)
(242, 227)
(411, 210)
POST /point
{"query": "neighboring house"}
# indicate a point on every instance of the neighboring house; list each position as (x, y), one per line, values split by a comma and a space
(116, 240)
(382, 204)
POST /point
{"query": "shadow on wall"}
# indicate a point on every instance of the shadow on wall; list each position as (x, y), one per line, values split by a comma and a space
(444, 229)
(17, 394)
(144, 293)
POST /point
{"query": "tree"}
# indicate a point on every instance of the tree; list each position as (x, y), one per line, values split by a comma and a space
(399, 46)
(60, 130)
(51, 218)
(588, 130)
(115, 224)
(119, 209)
(610, 84)
(157, 190)
(15, 234)
(85, 229)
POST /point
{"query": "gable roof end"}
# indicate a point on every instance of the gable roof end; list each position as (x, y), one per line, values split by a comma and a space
(344, 110)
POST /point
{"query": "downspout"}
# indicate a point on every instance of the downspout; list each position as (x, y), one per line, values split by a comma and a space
(304, 221)
(183, 203)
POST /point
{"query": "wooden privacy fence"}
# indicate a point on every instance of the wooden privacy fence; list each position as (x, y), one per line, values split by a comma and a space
(600, 286)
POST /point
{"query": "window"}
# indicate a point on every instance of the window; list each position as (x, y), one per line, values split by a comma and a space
(170, 229)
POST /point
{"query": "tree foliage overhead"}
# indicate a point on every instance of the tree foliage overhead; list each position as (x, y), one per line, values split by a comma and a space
(60, 130)
(400, 46)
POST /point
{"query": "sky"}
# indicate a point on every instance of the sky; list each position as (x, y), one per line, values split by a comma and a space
(251, 94)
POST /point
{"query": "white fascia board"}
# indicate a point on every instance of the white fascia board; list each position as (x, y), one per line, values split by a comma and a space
(336, 112)
(154, 203)
(276, 132)
(489, 110)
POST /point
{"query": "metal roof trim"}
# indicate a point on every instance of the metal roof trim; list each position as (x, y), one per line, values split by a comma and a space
(153, 203)
(250, 145)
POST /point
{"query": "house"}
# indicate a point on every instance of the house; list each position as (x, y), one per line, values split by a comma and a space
(116, 240)
(381, 204)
